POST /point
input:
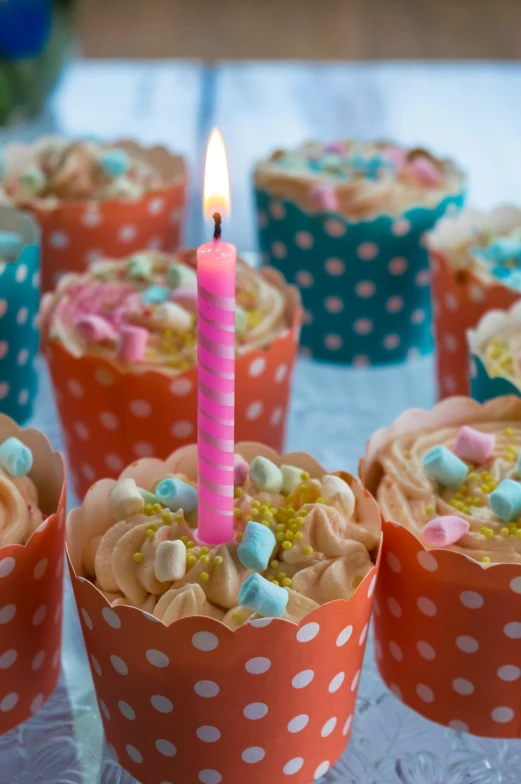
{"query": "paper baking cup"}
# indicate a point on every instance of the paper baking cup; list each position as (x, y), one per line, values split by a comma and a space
(31, 592)
(448, 628)
(19, 302)
(77, 233)
(483, 386)
(111, 418)
(196, 703)
(460, 296)
(365, 284)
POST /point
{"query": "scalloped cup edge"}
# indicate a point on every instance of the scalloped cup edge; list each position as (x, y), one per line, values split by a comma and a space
(490, 323)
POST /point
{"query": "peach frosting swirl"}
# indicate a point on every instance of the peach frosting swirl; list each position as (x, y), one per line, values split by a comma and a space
(19, 511)
(409, 497)
(327, 561)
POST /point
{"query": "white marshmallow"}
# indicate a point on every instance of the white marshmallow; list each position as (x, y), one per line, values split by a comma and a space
(265, 475)
(181, 276)
(170, 561)
(291, 476)
(339, 493)
(125, 499)
(170, 316)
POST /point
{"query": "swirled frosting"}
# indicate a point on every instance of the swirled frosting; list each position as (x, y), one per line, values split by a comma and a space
(358, 179)
(321, 553)
(408, 496)
(56, 170)
(19, 511)
(117, 298)
(501, 354)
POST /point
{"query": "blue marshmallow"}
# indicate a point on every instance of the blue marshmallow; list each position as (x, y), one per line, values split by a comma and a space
(155, 295)
(10, 244)
(263, 597)
(114, 162)
(505, 501)
(15, 457)
(177, 495)
(256, 546)
(445, 467)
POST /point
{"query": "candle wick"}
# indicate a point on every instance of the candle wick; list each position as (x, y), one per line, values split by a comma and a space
(217, 230)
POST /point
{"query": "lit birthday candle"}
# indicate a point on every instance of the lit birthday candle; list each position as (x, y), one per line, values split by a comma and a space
(216, 358)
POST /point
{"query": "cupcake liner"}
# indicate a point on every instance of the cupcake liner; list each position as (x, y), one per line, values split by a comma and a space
(31, 592)
(461, 297)
(110, 418)
(483, 386)
(196, 702)
(77, 233)
(447, 628)
(19, 302)
(364, 284)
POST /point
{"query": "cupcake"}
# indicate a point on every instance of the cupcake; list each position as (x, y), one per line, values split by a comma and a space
(268, 629)
(32, 517)
(93, 199)
(447, 616)
(495, 354)
(475, 264)
(19, 302)
(121, 345)
(346, 223)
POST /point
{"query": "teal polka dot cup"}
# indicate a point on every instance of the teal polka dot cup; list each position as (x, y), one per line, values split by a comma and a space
(19, 301)
(365, 284)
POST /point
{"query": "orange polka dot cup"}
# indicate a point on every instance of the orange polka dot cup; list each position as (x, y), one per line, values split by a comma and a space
(110, 417)
(198, 703)
(448, 627)
(461, 295)
(31, 591)
(75, 233)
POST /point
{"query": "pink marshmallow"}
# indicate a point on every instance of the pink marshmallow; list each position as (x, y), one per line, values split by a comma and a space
(325, 197)
(336, 147)
(186, 298)
(133, 343)
(426, 172)
(445, 530)
(396, 155)
(241, 470)
(472, 445)
(95, 328)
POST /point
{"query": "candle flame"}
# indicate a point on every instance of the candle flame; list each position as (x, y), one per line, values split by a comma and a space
(216, 196)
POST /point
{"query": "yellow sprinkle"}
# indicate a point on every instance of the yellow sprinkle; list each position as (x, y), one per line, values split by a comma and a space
(512, 527)
(490, 533)
(255, 504)
(184, 539)
(308, 550)
(237, 513)
(509, 457)
(156, 508)
(254, 512)
(518, 533)
(279, 536)
(485, 559)
(138, 557)
(190, 544)
(274, 564)
(166, 517)
(237, 616)
(218, 560)
(239, 536)
(238, 492)
(280, 527)
(148, 509)
(150, 533)
(281, 576)
(275, 582)
(286, 545)
(508, 431)
(286, 582)
(268, 515)
(504, 532)
(429, 509)
(205, 559)
(467, 510)
(289, 535)
(299, 535)
(484, 489)
(320, 501)
(204, 577)
(462, 489)
(191, 559)
(304, 476)
(473, 476)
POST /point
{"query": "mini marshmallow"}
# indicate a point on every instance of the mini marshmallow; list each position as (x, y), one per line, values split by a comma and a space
(472, 445)
(133, 341)
(170, 562)
(505, 501)
(263, 597)
(15, 457)
(181, 276)
(445, 467)
(176, 495)
(95, 329)
(139, 267)
(10, 244)
(256, 547)
(125, 500)
(445, 530)
(33, 179)
(334, 489)
(324, 196)
(425, 171)
(241, 470)
(148, 498)
(114, 162)
(241, 319)
(291, 478)
(335, 147)
(171, 316)
(265, 475)
(154, 295)
(186, 298)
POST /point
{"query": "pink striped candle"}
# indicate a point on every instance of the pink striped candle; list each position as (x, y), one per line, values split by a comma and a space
(216, 390)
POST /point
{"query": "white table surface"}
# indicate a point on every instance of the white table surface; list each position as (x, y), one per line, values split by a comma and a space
(470, 111)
